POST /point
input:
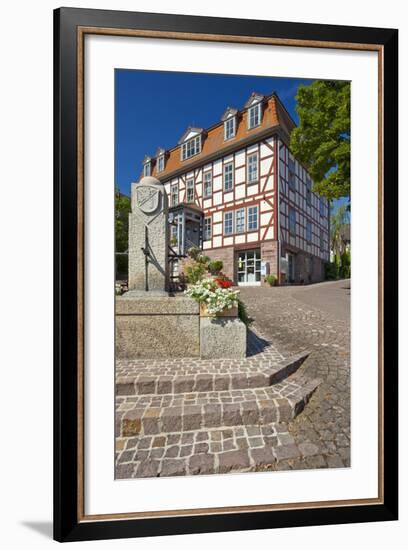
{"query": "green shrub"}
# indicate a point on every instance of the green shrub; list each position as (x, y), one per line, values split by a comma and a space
(243, 313)
(215, 266)
(121, 266)
(195, 272)
(205, 260)
(332, 271)
(345, 268)
(194, 252)
(196, 255)
(271, 279)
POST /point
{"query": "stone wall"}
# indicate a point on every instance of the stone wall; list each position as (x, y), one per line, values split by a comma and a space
(269, 253)
(318, 271)
(157, 327)
(308, 269)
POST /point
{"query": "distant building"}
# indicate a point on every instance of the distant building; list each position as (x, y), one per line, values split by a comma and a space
(236, 191)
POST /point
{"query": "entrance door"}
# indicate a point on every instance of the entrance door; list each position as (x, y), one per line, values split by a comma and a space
(249, 267)
(192, 234)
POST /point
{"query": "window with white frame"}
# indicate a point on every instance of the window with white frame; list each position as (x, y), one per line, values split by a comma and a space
(147, 169)
(308, 231)
(252, 218)
(207, 184)
(228, 223)
(229, 128)
(207, 228)
(228, 176)
(292, 221)
(252, 167)
(174, 192)
(174, 234)
(254, 116)
(190, 190)
(191, 147)
(292, 175)
(240, 220)
(160, 163)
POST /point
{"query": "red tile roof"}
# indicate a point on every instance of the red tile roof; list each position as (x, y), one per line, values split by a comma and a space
(274, 115)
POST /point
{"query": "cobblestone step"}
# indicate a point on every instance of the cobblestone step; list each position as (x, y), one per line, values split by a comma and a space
(183, 376)
(153, 414)
(207, 451)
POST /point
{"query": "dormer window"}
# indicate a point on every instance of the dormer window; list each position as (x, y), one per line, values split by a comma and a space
(147, 169)
(160, 164)
(229, 128)
(254, 110)
(190, 143)
(147, 166)
(160, 156)
(230, 123)
(191, 147)
(254, 116)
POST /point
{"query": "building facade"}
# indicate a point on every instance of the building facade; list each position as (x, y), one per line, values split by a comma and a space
(236, 190)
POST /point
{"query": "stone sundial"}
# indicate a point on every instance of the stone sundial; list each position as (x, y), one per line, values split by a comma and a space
(148, 237)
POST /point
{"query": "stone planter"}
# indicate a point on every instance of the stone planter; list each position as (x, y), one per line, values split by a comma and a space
(233, 312)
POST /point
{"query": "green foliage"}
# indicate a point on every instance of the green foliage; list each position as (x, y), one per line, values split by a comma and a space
(271, 279)
(345, 269)
(197, 266)
(243, 313)
(196, 255)
(332, 271)
(337, 262)
(121, 265)
(194, 252)
(340, 267)
(122, 209)
(322, 139)
(215, 267)
(195, 272)
(338, 220)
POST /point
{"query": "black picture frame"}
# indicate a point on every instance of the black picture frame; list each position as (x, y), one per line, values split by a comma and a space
(67, 523)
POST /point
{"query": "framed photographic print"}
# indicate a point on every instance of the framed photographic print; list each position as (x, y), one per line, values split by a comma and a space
(225, 274)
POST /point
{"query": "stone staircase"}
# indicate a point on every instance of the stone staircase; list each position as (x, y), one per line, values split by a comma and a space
(191, 416)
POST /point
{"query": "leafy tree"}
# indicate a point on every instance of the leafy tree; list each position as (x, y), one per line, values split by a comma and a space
(122, 209)
(322, 139)
(345, 269)
(338, 220)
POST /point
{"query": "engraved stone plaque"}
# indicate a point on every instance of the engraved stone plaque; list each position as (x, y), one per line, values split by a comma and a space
(147, 198)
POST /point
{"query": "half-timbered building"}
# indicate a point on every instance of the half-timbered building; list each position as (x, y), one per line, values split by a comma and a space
(236, 191)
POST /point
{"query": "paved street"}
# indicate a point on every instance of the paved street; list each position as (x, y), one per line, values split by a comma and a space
(314, 318)
(286, 406)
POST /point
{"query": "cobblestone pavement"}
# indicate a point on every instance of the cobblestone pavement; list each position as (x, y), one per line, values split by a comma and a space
(314, 318)
(216, 451)
(192, 416)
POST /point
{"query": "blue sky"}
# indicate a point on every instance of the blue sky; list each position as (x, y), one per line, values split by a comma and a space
(154, 108)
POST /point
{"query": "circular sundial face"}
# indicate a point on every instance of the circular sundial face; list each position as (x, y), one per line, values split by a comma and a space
(148, 198)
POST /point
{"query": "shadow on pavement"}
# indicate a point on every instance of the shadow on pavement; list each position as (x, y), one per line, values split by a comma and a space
(255, 344)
